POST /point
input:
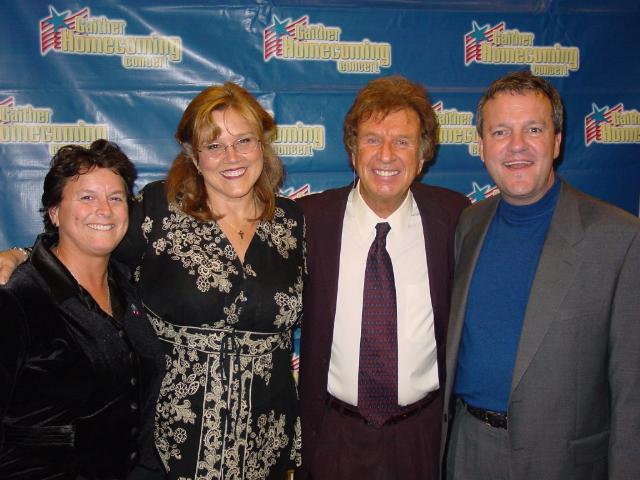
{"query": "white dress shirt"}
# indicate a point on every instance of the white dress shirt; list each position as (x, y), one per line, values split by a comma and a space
(417, 355)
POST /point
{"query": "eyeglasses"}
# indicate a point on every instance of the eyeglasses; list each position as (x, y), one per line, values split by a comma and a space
(242, 146)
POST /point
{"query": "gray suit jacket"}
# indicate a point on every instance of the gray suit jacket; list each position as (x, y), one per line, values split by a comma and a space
(574, 406)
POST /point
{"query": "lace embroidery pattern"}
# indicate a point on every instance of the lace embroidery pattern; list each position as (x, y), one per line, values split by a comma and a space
(217, 368)
(290, 305)
(279, 233)
(147, 225)
(227, 406)
(199, 247)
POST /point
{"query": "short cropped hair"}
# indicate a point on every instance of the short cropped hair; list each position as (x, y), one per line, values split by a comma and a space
(520, 83)
(71, 161)
(185, 186)
(386, 95)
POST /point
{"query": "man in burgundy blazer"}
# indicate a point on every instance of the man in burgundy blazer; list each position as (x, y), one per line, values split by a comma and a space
(389, 133)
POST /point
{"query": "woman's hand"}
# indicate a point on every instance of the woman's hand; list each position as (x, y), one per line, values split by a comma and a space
(9, 261)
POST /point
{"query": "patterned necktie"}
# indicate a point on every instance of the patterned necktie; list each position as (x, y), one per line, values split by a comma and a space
(378, 370)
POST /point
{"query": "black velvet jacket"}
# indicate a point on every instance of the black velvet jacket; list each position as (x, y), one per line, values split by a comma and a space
(77, 387)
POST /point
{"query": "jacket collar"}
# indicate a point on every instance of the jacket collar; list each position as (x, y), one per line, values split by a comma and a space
(61, 283)
(58, 278)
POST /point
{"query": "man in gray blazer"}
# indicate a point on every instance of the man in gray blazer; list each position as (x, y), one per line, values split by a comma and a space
(543, 347)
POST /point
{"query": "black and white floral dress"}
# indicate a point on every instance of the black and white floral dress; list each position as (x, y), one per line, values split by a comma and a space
(228, 403)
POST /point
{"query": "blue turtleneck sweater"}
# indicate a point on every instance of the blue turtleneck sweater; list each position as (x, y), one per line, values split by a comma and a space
(497, 301)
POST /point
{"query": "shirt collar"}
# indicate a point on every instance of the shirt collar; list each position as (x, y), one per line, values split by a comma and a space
(366, 218)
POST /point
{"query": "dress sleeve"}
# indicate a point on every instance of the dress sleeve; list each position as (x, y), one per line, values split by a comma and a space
(303, 247)
(13, 348)
(132, 248)
(295, 211)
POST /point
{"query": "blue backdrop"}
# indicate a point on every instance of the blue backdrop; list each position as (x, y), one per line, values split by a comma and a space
(76, 71)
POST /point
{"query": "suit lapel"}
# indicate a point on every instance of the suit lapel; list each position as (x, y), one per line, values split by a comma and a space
(330, 230)
(557, 266)
(435, 231)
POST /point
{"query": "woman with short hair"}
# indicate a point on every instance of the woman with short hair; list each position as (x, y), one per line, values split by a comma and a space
(80, 366)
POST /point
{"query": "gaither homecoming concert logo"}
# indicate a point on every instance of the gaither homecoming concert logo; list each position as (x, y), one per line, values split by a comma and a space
(495, 45)
(26, 124)
(456, 127)
(298, 140)
(79, 33)
(611, 125)
(299, 40)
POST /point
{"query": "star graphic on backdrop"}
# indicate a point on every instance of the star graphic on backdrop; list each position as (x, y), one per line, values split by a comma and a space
(280, 27)
(57, 19)
(479, 34)
(598, 114)
(479, 193)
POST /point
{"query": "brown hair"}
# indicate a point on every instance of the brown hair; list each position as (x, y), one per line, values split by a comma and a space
(71, 161)
(386, 95)
(521, 82)
(183, 183)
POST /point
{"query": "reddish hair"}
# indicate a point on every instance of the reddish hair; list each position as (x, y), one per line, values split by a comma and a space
(185, 186)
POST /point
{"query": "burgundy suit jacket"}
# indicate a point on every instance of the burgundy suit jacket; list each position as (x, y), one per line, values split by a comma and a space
(324, 212)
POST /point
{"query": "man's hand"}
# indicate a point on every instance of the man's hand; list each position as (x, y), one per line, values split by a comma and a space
(9, 261)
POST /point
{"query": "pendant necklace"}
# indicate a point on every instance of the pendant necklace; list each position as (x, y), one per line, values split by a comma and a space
(239, 231)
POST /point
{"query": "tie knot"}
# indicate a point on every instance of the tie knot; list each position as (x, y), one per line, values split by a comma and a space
(381, 231)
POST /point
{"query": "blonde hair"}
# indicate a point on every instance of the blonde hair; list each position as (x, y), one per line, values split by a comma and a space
(185, 186)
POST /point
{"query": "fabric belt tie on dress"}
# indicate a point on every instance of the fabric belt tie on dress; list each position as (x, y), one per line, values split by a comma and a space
(218, 340)
(403, 412)
(493, 419)
(224, 342)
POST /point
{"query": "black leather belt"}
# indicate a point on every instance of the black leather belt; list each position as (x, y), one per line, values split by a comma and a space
(494, 419)
(402, 413)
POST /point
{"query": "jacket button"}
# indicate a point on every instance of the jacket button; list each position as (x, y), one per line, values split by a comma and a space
(134, 381)
(134, 406)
